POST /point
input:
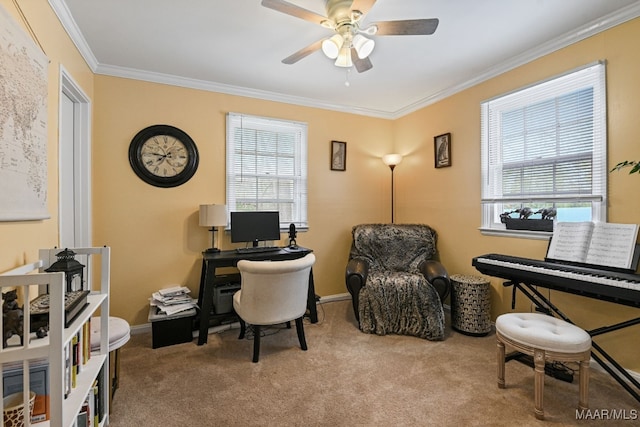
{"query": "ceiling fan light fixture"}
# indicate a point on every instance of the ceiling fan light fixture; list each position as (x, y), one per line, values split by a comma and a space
(371, 30)
(328, 24)
(344, 58)
(331, 46)
(363, 45)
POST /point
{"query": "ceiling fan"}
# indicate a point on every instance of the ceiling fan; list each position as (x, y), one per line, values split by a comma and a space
(349, 46)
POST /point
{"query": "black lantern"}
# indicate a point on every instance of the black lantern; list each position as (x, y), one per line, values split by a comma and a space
(72, 269)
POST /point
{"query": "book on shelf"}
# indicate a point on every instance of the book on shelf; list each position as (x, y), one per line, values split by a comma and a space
(93, 402)
(595, 243)
(74, 360)
(100, 393)
(12, 379)
(83, 419)
(67, 371)
(86, 341)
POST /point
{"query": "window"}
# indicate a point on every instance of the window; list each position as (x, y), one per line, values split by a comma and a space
(267, 167)
(545, 146)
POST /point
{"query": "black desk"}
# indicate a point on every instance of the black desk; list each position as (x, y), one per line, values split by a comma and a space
(214, 260)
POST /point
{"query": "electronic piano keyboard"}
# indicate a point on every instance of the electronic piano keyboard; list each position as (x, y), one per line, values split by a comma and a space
(593, 282)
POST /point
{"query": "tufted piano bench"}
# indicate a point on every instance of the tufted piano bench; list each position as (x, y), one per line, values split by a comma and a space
(545, 338)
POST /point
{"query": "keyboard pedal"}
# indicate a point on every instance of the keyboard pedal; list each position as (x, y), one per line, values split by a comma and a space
(543, 310)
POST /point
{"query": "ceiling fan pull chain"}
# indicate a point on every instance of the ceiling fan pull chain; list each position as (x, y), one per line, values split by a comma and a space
(346, 77)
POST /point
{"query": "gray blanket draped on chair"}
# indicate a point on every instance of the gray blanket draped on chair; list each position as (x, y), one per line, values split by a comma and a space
(397, 298)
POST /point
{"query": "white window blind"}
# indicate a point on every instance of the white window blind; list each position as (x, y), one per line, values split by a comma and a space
(545, 146)
(267, 167)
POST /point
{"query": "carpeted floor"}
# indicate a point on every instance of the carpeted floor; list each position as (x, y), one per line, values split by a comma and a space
(346, 378)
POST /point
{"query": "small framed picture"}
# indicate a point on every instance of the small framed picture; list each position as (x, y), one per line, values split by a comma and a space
(442, 150)
(338, 156)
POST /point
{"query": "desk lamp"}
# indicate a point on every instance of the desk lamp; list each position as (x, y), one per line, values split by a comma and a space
(213, 216)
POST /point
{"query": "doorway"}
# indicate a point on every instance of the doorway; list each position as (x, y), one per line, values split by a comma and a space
(74, 171)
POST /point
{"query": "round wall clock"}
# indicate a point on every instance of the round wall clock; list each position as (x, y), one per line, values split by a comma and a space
(163, 156)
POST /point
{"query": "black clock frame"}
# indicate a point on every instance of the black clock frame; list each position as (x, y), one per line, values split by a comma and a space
(135, 156)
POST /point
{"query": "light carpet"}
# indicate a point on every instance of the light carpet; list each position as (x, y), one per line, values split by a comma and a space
(346, 378)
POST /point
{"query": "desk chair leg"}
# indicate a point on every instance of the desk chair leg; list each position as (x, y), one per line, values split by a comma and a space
(300, 330)
(256, 343)
(243, 328)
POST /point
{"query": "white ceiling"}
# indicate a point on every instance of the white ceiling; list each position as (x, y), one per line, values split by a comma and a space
(236, 46)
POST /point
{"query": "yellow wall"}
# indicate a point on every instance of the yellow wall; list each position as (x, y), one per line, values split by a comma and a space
(154, 232)
(449, 198)
(20, 241)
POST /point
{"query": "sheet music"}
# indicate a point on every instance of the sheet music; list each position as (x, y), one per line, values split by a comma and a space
(612, 244)
(570, 241)
(597, 243)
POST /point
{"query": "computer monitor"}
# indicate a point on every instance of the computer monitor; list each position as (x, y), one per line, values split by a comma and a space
(255, 226)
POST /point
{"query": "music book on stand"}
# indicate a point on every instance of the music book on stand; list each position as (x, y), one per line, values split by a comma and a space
(595, 243)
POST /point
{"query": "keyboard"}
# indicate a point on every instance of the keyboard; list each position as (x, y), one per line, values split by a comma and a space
(257, 249)
(594, 282)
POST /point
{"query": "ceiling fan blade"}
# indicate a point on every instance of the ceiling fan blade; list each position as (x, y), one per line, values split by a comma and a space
(293, 10)
(361, 65)
(292, 59)
(363, 5)
(409, 27)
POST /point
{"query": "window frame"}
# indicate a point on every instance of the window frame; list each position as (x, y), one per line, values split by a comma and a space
(297, 178)
(591, 75)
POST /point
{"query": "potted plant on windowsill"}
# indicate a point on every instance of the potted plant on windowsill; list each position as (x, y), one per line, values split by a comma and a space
(524, 219)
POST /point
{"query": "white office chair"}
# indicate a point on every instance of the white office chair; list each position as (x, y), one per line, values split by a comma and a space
(272, 292)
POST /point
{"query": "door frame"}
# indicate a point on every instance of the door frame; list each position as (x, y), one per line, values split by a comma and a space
(81, 159)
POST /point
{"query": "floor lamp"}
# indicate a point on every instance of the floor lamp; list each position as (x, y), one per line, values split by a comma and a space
(392, 160)
(213, 216)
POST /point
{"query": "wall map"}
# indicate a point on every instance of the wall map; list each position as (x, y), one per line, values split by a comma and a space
(23, 124)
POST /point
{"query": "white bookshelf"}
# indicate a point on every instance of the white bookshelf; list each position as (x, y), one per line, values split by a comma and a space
(62, 410)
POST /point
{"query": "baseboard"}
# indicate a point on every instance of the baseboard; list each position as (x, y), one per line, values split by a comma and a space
(336, 297)
(596, 366)
(141, 329)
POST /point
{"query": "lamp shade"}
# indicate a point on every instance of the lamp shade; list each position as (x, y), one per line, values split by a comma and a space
(213, 215)
(331, 46)
(363, 45)
(344, 58)
(392, 159)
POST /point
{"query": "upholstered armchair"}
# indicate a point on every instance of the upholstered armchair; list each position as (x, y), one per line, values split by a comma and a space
(395, 284)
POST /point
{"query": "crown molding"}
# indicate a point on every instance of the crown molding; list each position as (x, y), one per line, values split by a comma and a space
(153, 77)
(606, 22)
(69, 24)
(60, 8)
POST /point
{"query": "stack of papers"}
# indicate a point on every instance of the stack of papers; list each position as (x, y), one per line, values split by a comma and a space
(172, 300)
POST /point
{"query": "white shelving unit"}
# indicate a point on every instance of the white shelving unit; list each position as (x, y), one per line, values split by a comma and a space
(63, 411)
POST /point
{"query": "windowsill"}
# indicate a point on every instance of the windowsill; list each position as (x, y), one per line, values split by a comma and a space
(521, 234)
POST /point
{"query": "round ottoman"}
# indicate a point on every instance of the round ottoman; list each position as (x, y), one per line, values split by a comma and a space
(119, 335)
(545, 338)
(470, 304)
